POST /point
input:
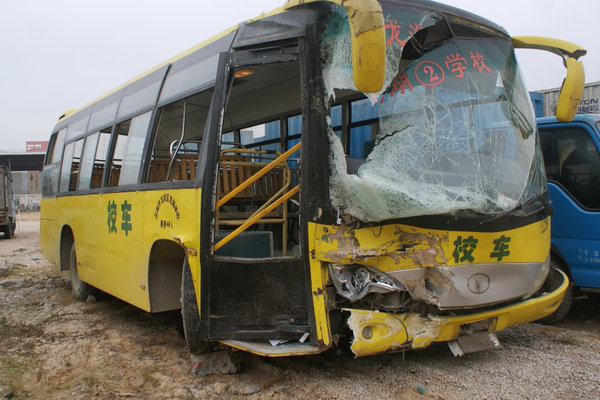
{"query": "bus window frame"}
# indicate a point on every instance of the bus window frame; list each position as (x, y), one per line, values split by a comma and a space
(151, 137)
(50, 151)
(81, 177)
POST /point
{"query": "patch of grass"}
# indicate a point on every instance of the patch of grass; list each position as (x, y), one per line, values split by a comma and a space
(148, 378)
(90, 381)
(11, 366)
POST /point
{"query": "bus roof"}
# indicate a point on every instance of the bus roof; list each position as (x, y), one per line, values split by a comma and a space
(428, 4)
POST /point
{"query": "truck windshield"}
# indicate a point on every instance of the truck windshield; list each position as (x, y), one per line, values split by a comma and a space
(454, 129)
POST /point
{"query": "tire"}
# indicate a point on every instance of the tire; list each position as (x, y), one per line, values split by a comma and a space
(564, 307)
(8, 231)
(80, 289)
(190, 315)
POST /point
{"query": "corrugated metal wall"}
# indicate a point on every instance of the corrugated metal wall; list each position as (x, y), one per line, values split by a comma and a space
(589, 104)
(27, 182)
(27, 189)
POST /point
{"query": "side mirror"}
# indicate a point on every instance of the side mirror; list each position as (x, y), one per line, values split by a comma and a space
(367, 32)
(572, 87)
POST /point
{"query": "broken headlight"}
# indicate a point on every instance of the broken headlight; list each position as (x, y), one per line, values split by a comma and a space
(354, 282)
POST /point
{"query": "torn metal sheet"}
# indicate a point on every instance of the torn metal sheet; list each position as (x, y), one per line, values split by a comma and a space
(472, 285)
(390, 246)
(354, 282)
(375, 332)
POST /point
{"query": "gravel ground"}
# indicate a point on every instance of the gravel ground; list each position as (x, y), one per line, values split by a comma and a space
(53, 347)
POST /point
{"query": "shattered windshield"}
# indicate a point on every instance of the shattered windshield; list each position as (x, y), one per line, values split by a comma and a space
(454, 128)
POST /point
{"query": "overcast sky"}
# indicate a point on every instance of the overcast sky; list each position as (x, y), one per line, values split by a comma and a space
(61, 54)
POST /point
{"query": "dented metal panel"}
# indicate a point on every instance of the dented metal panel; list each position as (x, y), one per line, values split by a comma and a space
(275, 28)
(375, 332)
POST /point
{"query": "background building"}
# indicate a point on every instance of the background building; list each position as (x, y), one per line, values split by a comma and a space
(26, 170)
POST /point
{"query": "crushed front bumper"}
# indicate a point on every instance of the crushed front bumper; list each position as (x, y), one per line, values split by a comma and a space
(377, 332)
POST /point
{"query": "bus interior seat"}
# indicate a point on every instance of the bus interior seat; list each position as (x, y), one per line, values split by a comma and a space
(183, 168)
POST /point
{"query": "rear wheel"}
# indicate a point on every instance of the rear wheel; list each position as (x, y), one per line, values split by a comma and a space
(562, 310)
(8, 230)
(80, 289)
(190, 314)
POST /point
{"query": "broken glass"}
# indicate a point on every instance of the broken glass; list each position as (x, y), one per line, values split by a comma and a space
(455, 128)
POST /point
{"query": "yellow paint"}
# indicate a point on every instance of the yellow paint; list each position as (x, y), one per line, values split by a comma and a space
(571, 91)
(397, 246)
(557, 46)
(376, 332)
(572, 88)
(318, 281)
(117, 262)
(398, 331)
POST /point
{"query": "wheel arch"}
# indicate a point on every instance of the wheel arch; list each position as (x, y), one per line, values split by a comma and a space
(66, 241)
(164, 275)
(557, 255)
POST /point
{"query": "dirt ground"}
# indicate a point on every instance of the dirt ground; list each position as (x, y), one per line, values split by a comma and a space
(54, 347)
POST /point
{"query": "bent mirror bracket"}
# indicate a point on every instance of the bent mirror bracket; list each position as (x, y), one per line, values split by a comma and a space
(572, 87)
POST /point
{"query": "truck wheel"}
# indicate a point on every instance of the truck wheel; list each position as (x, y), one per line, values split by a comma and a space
(80, 289)
(8, 231)
(190, 315)
(564, 307)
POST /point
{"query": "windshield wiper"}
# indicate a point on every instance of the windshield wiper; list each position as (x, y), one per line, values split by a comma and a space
(521, 206)
(517, 117)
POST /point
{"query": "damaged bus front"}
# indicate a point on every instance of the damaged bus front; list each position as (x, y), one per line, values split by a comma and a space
(433, 222)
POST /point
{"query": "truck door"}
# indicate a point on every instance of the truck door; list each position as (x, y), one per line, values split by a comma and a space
(572, 163)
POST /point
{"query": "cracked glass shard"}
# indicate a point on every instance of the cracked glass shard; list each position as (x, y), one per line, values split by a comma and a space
(455, 128)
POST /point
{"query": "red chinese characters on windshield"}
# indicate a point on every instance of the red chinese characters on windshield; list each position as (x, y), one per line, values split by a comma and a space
(430, 73)
(394, 31)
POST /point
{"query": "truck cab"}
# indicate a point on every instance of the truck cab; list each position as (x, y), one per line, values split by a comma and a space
(572, 158)
(7, 209)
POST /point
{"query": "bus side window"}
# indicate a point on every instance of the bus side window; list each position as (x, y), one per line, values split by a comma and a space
(59, 144)
(171, 158)
(52, 168)
(75, 165)
(132, 162)
(87, 161)
(364, 127)
(265, 136)
(127, 155)
(118, 152)
(65, 171)
(100, 158)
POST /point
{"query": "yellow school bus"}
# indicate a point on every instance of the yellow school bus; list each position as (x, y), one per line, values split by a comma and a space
(331, 172)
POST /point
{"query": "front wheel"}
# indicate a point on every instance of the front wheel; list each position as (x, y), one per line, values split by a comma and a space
(80, 289)
(190, 314)
(564, 307)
